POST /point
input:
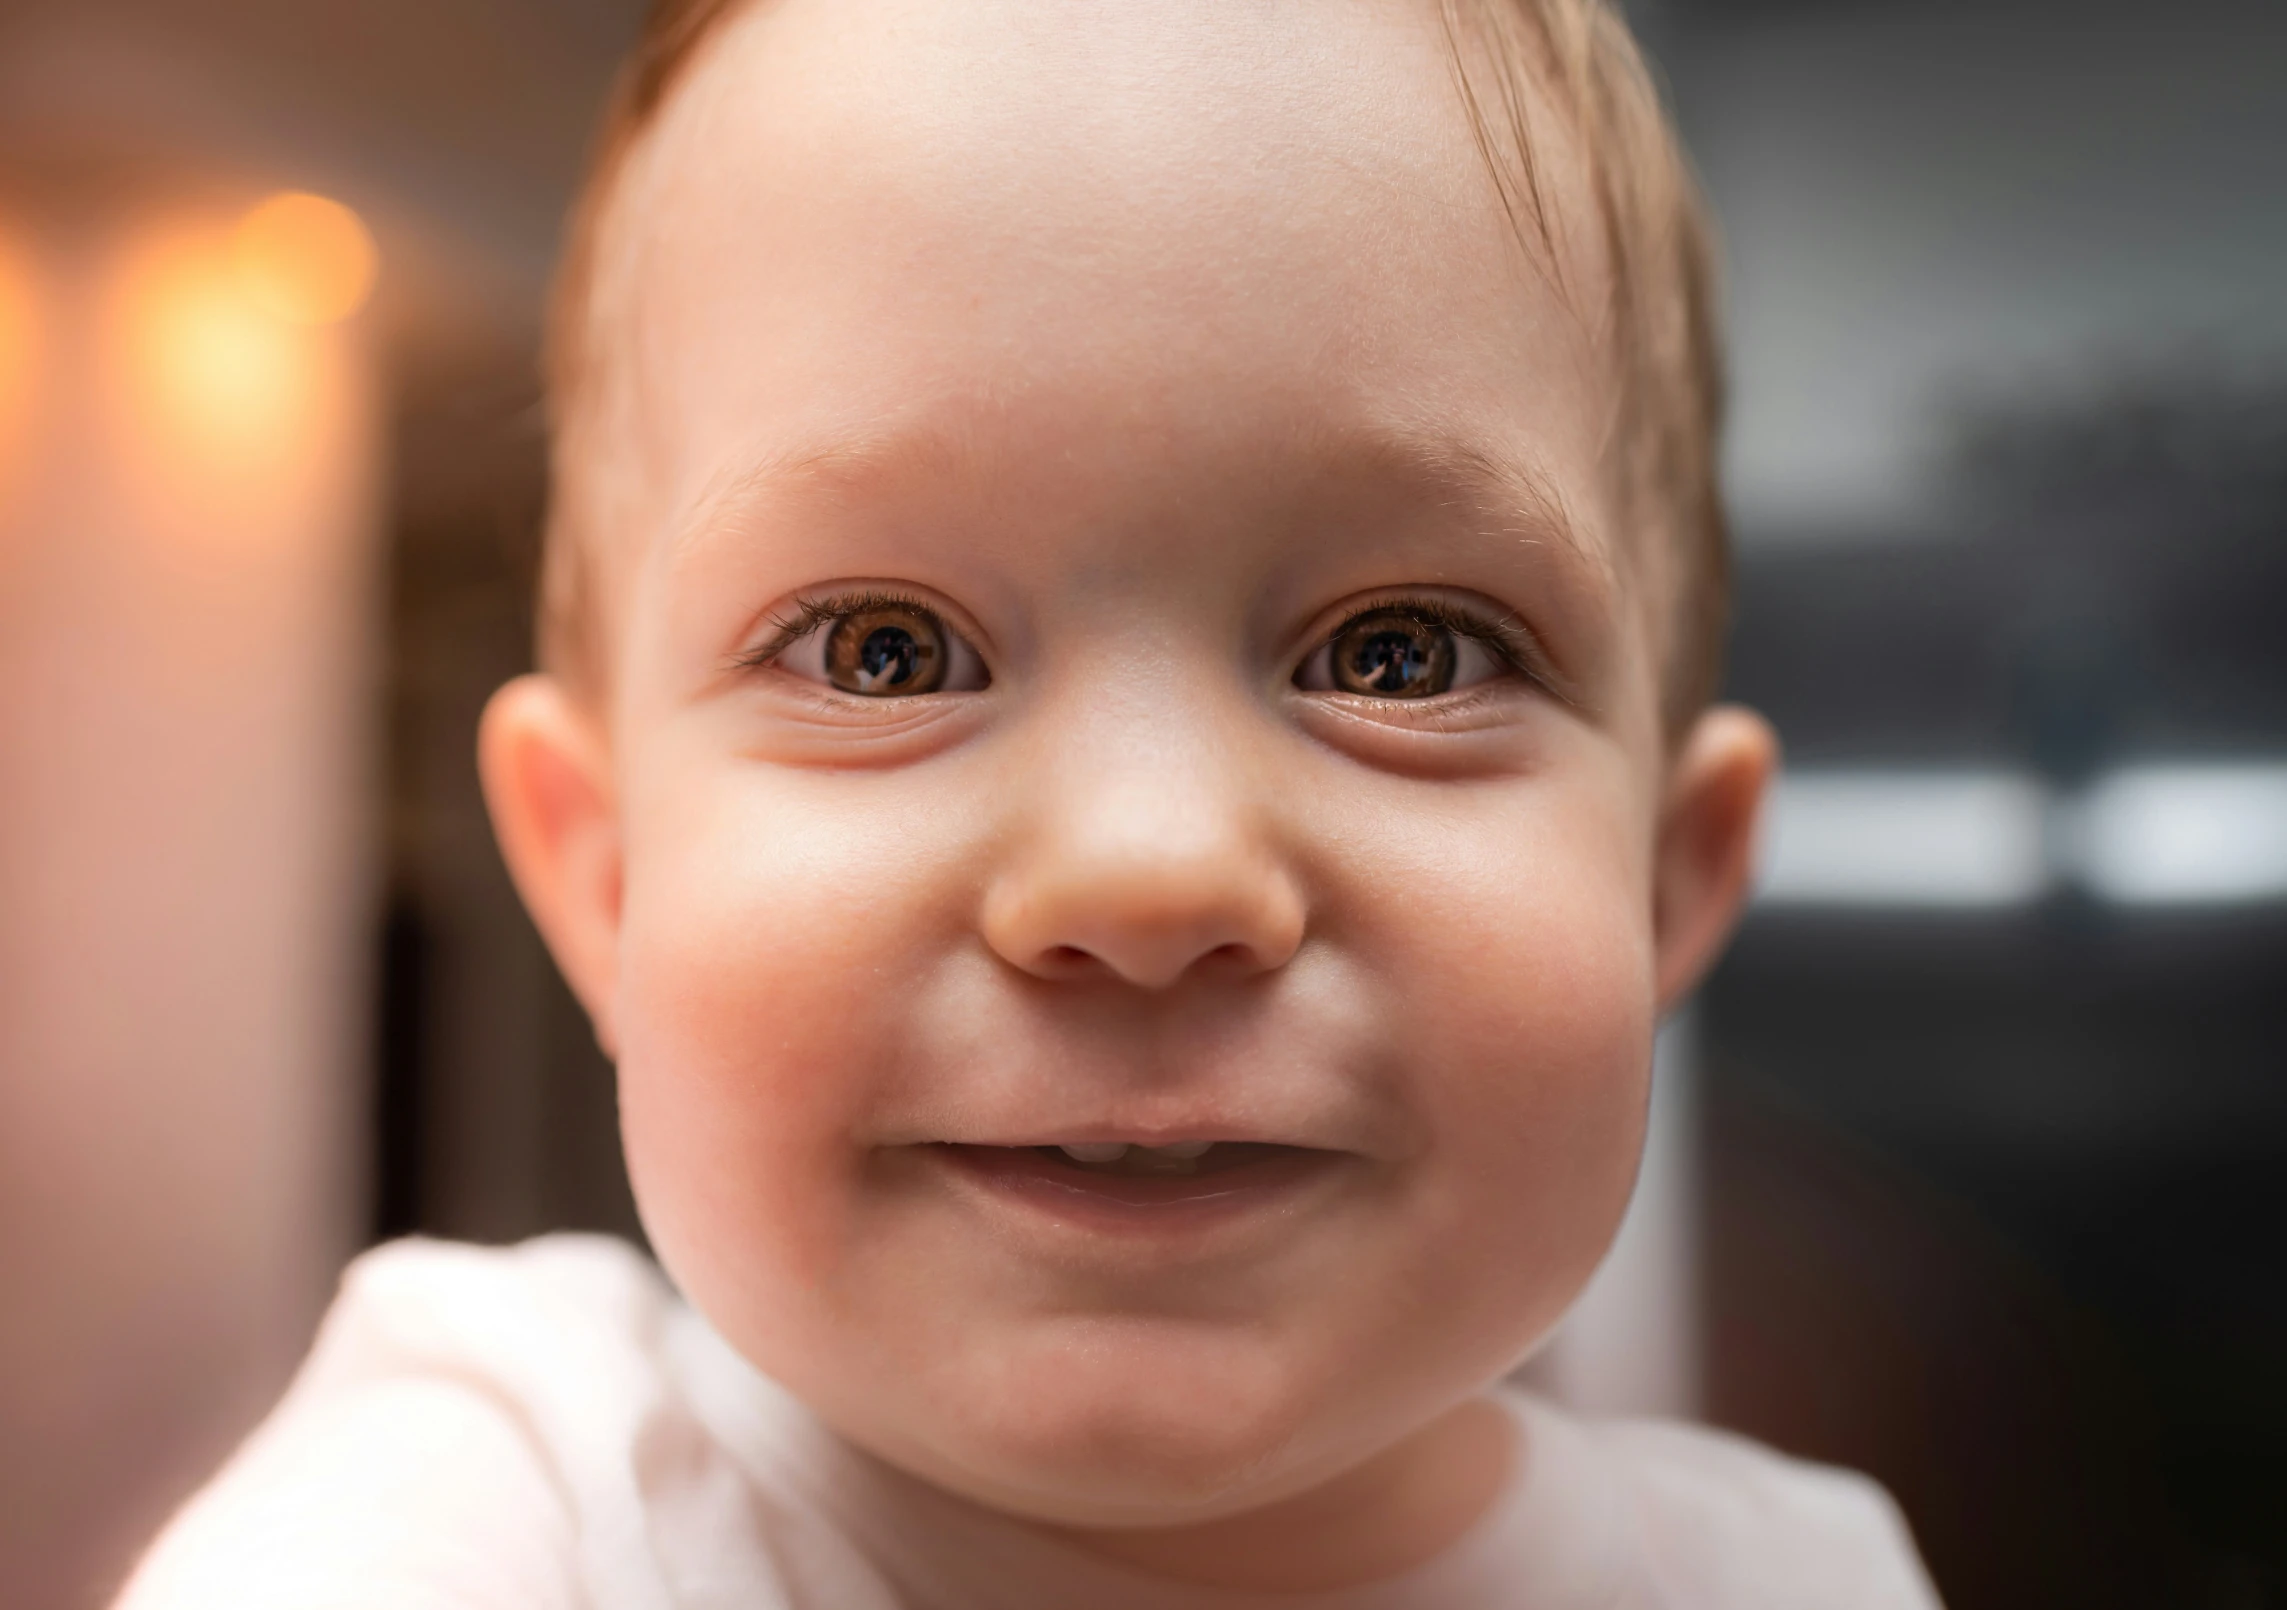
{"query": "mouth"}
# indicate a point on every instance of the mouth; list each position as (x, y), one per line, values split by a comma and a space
(1131, 1180)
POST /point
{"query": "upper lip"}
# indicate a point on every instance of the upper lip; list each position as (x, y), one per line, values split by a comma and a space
(1133, 1135)
(1279, 1104)
(1326, 1132)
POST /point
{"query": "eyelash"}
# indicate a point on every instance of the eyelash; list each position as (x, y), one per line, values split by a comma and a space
(1508, 639)
(811, 613)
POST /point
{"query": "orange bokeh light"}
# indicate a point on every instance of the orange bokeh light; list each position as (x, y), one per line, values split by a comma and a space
(305, 259)
(19, 343)
(221, 380)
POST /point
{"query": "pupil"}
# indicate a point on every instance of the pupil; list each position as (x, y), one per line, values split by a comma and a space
(1389, 656)
(1391, 661)
(888, 656)
(882, 652)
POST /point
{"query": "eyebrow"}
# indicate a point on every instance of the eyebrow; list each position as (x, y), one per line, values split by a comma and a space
(1490, 478)
(849, 462)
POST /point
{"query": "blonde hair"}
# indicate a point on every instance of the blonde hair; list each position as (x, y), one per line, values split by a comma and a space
(1658, 314)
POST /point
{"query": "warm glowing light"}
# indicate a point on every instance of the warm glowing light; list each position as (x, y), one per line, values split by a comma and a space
(305, 259)
(222, 380)
(19, 344)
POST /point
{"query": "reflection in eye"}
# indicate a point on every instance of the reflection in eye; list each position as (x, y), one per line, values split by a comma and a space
(876, 648)
(1400, 653)
(1391, 656)
(880, 652)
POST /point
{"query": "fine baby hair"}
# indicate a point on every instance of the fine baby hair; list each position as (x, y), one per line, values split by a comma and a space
(1566, 73)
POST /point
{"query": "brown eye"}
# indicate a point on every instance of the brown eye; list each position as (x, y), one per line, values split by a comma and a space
(1390, 655)
(887, 652)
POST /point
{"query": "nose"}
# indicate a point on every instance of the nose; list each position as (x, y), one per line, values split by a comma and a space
(1138, 864)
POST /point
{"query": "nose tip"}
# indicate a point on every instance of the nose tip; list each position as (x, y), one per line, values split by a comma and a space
(1148, 926)
(1149, 843)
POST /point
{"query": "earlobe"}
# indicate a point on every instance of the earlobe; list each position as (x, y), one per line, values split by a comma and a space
(547, 783)
(1705, 858)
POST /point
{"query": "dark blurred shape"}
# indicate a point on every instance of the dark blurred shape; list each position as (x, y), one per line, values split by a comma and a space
(2029, 1165)
(2107, 587)
(400, 1055)
(1998, 1126)
(499, 1118)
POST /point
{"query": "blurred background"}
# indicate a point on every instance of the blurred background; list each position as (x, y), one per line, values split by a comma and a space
(1972, 1162)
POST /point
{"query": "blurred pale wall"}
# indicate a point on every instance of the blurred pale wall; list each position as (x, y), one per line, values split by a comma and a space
(191, 593)
(186, 544)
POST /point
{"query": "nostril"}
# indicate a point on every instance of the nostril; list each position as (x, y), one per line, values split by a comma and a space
(1151, 932)
(1079, 962)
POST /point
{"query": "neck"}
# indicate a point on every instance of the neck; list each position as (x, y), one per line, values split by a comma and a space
(1396, 1511)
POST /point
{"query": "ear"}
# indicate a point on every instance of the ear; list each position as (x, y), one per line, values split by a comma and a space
(547, 781)
(1705, 858)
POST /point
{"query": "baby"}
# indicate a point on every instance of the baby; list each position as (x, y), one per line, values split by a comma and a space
(1124, 767)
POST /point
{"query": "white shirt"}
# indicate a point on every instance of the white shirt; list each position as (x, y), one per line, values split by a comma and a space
(551, 1428)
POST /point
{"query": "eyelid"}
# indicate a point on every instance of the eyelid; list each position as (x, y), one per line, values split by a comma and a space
(1502, 631)
(791, 623)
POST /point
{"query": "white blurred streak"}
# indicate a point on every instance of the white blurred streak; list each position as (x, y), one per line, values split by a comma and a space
(185, 667)
(1905, 839)
(1632, 1343)
(2143, 835)
(2186, 835)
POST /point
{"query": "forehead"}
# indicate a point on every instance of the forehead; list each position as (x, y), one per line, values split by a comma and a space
(1195, 224)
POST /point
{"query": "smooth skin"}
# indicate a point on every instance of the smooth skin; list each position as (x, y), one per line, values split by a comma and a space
(1143, 348)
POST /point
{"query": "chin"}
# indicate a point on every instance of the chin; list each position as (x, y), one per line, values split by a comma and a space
(1108, 1439)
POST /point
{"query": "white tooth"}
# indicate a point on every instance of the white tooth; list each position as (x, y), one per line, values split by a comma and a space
(1184, 1150)
(1096, 1151)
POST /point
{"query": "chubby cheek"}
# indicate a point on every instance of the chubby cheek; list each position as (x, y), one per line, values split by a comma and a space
(1522, 970)
(764, 942)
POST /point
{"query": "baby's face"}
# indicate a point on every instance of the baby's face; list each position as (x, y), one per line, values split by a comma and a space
(1118, 640)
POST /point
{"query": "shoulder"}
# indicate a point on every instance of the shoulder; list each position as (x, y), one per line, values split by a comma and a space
(1719, 1520)
(421, 1294)
(565, 1333)
(438, 1444)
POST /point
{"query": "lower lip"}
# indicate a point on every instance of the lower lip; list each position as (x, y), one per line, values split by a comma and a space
(1136, 1203)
